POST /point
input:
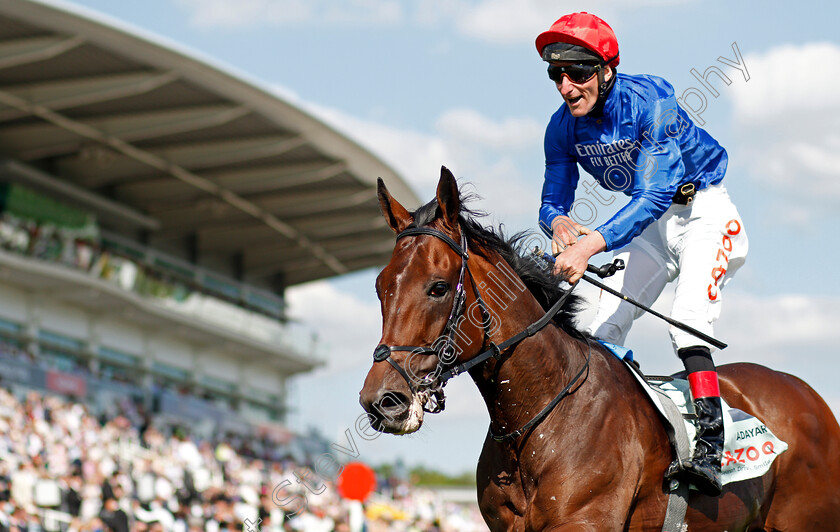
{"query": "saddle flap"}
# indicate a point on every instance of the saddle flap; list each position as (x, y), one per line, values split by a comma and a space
(749, 446)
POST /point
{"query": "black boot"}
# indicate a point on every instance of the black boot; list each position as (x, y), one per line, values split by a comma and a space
(704, 468)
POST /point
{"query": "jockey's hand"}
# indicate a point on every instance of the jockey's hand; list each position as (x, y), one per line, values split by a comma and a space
(572, 262)
(565, 232)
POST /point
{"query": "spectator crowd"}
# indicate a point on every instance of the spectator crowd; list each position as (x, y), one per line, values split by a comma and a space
(63, 468)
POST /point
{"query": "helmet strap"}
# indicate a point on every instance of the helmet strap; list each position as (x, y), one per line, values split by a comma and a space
(604, 88)
(602, 84)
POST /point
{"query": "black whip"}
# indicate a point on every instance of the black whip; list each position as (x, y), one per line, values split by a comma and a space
(609, 269)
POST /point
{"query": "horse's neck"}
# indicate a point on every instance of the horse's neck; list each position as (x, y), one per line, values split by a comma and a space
(527, 376)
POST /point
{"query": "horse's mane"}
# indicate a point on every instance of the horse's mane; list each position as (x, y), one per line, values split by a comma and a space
(543, 285)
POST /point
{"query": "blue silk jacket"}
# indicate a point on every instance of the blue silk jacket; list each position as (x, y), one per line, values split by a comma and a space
(643, 145)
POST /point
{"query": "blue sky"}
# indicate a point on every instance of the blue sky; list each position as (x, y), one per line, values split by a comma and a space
(459, 83)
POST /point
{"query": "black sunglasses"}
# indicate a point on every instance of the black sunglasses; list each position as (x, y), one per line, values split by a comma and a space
(578, 73)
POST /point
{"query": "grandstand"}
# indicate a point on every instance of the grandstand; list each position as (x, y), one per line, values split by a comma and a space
(154, 209)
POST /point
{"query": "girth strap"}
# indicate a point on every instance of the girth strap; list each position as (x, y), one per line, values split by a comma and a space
(678, 491)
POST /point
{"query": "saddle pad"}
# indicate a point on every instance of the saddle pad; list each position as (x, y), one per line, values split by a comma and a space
(749, 446)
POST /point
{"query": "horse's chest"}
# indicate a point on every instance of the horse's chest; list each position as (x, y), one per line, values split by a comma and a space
(502, 500)
(505, 489)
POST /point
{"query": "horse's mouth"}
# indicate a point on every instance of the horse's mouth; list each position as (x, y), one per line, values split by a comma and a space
(409, 420)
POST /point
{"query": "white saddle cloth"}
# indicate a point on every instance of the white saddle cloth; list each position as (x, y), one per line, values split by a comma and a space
(749, 447)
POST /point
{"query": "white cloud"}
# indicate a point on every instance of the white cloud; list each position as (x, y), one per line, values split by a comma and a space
(773, 91)
(365, 12)
(507, 21)
(496, 21)
(220, 13)
(248, 13)
(789, 320)
(434, 13)
(467, 125)
(793, 333)
(520, 21)
(804, 167)
(416, 156)
(347, 326)
(788, 129)
(487, 153)
(753, 324)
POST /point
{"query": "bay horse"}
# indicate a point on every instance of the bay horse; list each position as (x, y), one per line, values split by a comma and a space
(594, 459)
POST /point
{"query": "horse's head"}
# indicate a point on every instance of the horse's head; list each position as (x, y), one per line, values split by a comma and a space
(421, 293)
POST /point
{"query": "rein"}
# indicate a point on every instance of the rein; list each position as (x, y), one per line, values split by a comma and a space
(550, 406)
(433, 387)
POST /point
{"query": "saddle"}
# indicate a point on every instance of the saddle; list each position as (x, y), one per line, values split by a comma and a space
(749, 446)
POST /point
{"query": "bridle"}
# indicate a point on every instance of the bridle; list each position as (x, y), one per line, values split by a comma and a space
(431, 386)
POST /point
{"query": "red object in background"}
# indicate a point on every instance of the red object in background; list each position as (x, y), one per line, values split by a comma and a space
(356, 482)
(66, 383)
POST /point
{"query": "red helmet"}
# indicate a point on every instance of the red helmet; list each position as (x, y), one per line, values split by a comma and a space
(582, 29)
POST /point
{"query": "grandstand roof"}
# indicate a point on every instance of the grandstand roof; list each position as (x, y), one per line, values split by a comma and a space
(183, 155)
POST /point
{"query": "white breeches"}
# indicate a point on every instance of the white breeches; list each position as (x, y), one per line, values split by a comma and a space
(701, 245)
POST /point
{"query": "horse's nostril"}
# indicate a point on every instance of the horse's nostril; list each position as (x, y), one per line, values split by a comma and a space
(391, 402)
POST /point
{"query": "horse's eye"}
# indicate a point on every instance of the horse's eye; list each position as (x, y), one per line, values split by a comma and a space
(438, 289)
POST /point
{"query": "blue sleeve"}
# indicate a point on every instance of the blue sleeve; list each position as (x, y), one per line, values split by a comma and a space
(561, 175)
(658, 169)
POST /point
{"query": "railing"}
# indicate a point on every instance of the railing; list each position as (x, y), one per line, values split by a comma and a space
(163, 280)
(162, 273)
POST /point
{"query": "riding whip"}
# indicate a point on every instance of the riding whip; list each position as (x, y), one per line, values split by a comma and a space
(610, 269)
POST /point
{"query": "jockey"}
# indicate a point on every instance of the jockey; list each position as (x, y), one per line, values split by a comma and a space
(629, 133)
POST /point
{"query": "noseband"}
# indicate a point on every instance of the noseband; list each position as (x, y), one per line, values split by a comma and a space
(431, 387)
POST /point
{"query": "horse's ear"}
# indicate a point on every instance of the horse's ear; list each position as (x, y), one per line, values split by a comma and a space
(448, 197)
(396, 215)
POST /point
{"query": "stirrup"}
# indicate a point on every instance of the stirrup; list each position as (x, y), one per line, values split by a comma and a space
(687, 471)
(706, 482)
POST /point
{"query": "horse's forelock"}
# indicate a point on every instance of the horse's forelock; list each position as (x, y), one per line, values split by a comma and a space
(425, 214)
(428, 213)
